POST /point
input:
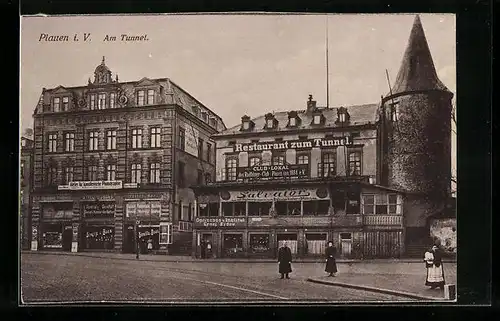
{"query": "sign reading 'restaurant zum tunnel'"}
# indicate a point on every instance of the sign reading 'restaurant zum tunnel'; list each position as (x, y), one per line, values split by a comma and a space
(294, 144)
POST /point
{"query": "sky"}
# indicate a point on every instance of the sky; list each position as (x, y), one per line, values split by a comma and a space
(235, 64)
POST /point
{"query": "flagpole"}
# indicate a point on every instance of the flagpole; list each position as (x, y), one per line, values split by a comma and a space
(327, 75)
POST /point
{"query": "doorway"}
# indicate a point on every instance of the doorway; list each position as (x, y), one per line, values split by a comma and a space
(346, 244)
(128, 240)
(67, 238)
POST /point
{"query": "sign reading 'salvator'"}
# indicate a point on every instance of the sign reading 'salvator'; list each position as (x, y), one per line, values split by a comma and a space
(294, 144)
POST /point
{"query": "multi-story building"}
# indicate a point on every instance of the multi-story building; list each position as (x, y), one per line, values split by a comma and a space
(25, 185)
(113, 162)
(366, 177)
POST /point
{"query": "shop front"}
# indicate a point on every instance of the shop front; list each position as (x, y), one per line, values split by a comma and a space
(142, 222)
(98, 230)
(56, 226)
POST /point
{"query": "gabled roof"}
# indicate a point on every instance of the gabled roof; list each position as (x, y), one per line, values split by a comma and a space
(359, 115)
(417, 71)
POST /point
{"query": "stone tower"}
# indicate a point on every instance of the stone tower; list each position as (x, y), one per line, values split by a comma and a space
(416, 124)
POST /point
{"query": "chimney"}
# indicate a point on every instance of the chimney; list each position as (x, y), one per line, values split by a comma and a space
(311, 104)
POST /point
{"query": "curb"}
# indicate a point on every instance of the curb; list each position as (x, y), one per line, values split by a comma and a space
(166, 258)
(375, 289)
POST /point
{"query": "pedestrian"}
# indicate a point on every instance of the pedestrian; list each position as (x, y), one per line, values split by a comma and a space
(285, 260)
(434, 265)
(202, 248)
(150, 246)
(209, 250)
(331, 264)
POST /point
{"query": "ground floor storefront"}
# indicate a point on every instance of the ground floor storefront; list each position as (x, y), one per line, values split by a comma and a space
(351, 243)
(124, 221)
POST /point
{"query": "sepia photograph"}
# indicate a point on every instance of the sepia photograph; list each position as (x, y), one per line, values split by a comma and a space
(256, 158)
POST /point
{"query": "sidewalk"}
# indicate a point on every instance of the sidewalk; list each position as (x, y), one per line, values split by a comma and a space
(180, 258)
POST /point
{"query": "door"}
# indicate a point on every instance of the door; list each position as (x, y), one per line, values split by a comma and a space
(67, 238)
(346, 244)
(128, 240)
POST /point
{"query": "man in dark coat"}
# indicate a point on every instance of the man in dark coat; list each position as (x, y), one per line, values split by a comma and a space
(331, 264)
(285, 260)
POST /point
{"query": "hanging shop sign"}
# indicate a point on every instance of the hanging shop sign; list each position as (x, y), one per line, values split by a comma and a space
(220, 222)
(277, 195)
(144, 209)
(150, 232)
(98, 209)
(294, 144)
(91, 185)
(273, 171)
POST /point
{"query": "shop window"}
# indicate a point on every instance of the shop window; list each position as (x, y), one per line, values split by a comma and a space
(234, 209)
(316, 207)
(58, 211)
(290, 239)
(166, 233)
(287, 208)
(316, 243)
(232, 244)
(52, 236)
(209, 209)
(214, 209)
(99, 238)
(259, 243)
(259, 208)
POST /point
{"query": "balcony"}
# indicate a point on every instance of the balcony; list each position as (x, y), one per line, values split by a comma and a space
(383, 220)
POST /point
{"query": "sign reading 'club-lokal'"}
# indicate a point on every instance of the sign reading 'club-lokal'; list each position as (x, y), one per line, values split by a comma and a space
(272, 171)
(294, 144)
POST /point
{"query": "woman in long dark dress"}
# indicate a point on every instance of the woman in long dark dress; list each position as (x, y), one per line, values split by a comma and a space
(331, 264)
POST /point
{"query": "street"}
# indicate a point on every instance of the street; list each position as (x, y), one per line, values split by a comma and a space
(56, 278)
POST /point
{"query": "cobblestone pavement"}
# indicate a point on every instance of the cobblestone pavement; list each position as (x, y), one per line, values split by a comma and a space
(76, 278)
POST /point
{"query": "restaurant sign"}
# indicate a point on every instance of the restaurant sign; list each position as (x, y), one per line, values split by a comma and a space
(91, 185)
(294, 144)
(272, 171)
(220, 222)
(277, 195)
(144, 209)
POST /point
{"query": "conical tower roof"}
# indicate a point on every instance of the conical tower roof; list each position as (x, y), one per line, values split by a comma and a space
(417, 71)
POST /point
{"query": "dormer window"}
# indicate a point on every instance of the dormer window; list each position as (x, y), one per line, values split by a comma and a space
(101, 102)
(246, 123)
(317, 119)
(151, 97)
(196, 111)
(292, 122)
(140, 97)
(293, 119)
(65, 104)
(342, 115)
(213, 122)
(57, 104)
(271, 122)
(204, 116)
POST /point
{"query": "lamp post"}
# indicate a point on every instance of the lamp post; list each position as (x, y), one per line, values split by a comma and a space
(136, 232)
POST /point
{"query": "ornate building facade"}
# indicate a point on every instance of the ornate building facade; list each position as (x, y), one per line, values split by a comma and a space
(365, 177)
(113, 162)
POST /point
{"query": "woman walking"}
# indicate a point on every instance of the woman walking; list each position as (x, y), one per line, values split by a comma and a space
(435, 272)
(331, 264)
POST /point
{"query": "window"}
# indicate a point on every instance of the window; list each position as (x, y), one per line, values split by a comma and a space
(317, 119)
(204, 116)
(69, 142)
(68, 174)
(328, 168)
(395, 111)
(270, 123)
(209, 153)
(278, 160)
(93, 140)
(140, 97)
(92, 173)
(355, 163)
(199, 179)
(65, 104)
(155, 137)
(259, 208)
(182, 138)
(246, 125)
(181, 174)
(254, 160)
(136, 172)
(292, 122)
(101, 103)
(213, 122)
(231, 165)
(196, 111)
(316, 207)
(259, 243)
(57, 104)
(208, 178)
(190, 212)
(342, 117)
(154, 173)
(52, 143)
(165, 233)
(234, 208)
(151, 97)
(22, 169)
(136, 138)
(92, 101)
(287, 208)
(200, 148)
(352, 206)
(210, 209)
(52, 175)
(232, 244)
(302, 159)
(111, 139)
(111, 172)
(382, 204)
(112, 100)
